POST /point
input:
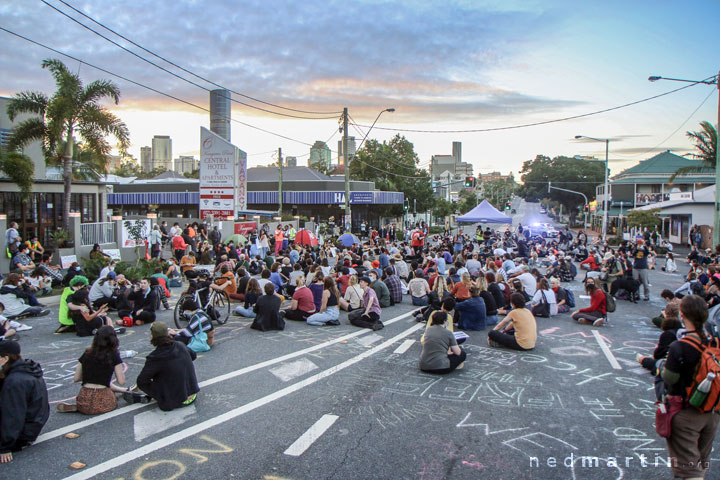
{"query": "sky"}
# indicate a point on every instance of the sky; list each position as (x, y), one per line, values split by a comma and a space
(451, 65)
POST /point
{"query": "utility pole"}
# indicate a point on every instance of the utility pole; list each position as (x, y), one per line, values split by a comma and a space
(716, 223)
(346, 161)
(280, 189)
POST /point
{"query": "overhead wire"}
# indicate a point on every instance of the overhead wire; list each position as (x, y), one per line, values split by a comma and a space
(159, 92)
(189, 71)
(180, 77)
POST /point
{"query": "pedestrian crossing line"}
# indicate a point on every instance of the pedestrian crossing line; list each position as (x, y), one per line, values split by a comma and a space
(211, 381)
(232, 414)
(313, 433)
(608, 354)
(404, 346)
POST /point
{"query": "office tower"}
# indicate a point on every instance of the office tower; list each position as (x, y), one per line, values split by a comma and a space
(162, 152)
(220, 112)
(146, 159)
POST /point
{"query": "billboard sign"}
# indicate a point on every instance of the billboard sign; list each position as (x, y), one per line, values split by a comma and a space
(223, 176)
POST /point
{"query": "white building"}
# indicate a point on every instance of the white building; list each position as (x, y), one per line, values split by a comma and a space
(162, 152)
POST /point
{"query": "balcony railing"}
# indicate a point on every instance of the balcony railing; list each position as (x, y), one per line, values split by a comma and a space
(100, 233)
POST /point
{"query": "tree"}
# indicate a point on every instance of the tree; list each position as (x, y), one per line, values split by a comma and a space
(128, 168)
(706, 144)
(393, 166)
(73, 108)
(193, 174)
(468, 200)
(643, 218)
(19, 169)
(564, 172)
(443, 208)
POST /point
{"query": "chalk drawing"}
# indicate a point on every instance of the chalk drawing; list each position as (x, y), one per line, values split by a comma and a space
(573, 351)
(291, 370)
(155, 421)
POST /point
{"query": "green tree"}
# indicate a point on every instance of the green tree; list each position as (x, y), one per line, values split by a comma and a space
(193, 174)
(643, 218)
(443, 208)
(393, 166)
(467, 201)
(706, 144)
(564, 172)
(128, 168)
(73, 108)
(19, 169)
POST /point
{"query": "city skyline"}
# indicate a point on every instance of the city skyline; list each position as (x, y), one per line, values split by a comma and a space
(493, 64)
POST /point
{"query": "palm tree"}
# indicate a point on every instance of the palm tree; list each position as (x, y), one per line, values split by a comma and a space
(706, 143)
(73, 108)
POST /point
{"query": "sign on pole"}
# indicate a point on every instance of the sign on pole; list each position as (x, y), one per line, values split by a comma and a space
(223, 176)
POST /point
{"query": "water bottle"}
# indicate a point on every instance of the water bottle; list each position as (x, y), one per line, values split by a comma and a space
(132, 353)
(701, 392)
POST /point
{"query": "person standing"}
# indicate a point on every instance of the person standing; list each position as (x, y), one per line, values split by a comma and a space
(12, 239)
(640, 267)
(24, 400)
(279, 236)
(155, 240)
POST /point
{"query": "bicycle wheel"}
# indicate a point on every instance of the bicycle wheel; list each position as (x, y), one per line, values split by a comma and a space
(180, 320)
(221, 304)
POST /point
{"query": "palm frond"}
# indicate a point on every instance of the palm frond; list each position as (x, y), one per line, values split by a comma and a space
(98, 90)
(706, 141)
(682, 171)
(26, 132)
(27, 102)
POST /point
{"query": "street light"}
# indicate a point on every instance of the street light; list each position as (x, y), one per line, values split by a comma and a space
(605, 188)
(710, 81)
(348, 224)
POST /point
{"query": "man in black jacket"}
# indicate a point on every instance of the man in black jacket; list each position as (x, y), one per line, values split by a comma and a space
(169, 375)
(145, 300)
(267, 311)
(24, 400)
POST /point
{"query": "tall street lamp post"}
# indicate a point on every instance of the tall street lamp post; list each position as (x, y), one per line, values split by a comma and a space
(605, 188)
(712, 81)
(347, 158)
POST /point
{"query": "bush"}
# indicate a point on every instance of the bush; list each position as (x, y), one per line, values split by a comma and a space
(143, 269)
(92, 266)
(436, 230)
(399, 235)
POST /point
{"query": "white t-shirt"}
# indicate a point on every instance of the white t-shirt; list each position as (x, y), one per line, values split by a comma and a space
(528, 282)
(549, 297)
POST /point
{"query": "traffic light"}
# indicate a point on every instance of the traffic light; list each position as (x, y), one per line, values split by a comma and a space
(508, 205)
(469, 181)
(587, 208)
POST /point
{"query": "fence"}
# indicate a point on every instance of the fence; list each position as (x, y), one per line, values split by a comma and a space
(101, 233)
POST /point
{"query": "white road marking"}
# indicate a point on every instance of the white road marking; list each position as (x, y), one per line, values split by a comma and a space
(312, 434)
(220, 378)
(298, 368)
(155, 421)
(608, 354)
(404, 346)
(369, 340)
(227, 416)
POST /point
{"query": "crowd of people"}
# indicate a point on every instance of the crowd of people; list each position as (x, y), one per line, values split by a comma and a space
(501, 282)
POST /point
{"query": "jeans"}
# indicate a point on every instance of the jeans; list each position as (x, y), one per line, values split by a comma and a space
(491, 320)
(420, 301)
(641, 275)
(330, 313)
(174, 282)
(455, 360)
(245, 312)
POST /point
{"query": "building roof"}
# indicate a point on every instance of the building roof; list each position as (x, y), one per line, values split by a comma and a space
(290, 174)
(665, 163)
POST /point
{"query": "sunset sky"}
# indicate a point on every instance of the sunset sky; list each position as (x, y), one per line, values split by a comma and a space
(443, 65)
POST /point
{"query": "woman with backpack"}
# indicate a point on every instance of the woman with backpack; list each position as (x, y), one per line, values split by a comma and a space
(597, 311)
(692, 429)
(199, 333)
(544, 296)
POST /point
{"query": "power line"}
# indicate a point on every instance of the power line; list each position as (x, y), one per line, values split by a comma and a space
(150, 88)
(674, 131)
(188, 71)
(545, 122)
(180, 77)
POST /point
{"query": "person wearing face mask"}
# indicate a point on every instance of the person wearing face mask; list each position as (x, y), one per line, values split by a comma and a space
(144, 300)
(381, 290)
(73, 270)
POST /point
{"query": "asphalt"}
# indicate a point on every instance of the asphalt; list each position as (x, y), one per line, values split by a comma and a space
(544, 414)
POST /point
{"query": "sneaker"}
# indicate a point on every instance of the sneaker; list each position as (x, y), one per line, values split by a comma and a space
(23, 327)
(332, 323)
(377, 326)
(599, 322)
(65, 329)
(43, 312)
(66, 407)
(461, 366)
(638, 358)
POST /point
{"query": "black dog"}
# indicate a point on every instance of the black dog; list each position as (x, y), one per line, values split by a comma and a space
(629, 285)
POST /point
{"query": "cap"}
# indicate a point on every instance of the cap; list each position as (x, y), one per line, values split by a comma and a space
(111, 275)
(366, 280)
(78, 280)
(9, 346)
(375, 264)
(159, 329)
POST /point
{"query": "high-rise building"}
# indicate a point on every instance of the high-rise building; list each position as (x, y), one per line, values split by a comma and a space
(320, 156)
(186, 164)
(450, 163)
(220, 111)
(146, 159)
(352, 150)
(162, 152)
(457, 151)
(290, 161)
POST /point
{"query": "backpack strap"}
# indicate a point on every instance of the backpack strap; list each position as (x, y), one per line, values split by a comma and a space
(696, 343)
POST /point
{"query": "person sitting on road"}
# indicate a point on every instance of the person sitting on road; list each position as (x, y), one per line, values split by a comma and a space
(521, 331)
(252, 293)
(102, 291)
(87, 321)
(597, 311)
(173, 273)
(24, 400)
(447, 307)
(144, 302)
(199, 332)
(440, 351)
(670, 325)
(267, 311)
(544, 294)
(491, 307)
(329, 311)
(381, 290)
(18, 300)
(67, 324)
(73, 270)
(187, 263)
(472, 312)
(317, 287)
(168, 375)
(353, 295)
(461, 290)
(369, 317)
(561, 295)
(95, 370)
(392, 281)
(303, 304)
(419, 289)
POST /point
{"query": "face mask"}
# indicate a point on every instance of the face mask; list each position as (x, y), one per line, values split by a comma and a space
(77, 269)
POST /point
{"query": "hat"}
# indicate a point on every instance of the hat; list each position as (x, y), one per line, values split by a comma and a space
(607, 256)
(159, 329)
(397, 256)
(366, 280)
(111, 275)
(78, 279)
(9, 346)
(716, 276)
(375, 263)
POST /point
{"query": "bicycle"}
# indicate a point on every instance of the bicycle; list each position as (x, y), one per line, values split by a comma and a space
(217, 299)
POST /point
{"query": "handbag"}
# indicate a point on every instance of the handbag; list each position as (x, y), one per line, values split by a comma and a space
(542, 309)
(664, 414)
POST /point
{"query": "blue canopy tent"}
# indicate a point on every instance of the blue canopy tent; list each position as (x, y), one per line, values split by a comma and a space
(484, 213)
